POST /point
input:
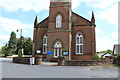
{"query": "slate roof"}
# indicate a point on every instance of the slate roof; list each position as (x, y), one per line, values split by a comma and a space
(77, 20)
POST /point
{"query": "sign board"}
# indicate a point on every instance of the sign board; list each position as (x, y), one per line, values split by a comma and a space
(49, 52)
(39, 51)
(65, 53)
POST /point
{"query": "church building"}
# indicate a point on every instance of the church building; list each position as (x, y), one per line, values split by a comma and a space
(64, 33)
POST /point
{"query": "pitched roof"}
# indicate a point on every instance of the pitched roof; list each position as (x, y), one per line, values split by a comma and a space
(44, 23)
(79, 20)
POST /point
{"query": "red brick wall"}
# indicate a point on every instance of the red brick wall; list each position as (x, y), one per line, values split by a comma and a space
(83, 57)
(87, 38)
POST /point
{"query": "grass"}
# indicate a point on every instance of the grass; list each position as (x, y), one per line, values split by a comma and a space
(107, 65)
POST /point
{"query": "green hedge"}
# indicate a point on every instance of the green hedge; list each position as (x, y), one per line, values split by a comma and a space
(96, 57)
(118, 56)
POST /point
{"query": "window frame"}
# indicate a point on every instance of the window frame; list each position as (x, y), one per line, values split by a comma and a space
(45, 44)
(58, 21)
(79, 43)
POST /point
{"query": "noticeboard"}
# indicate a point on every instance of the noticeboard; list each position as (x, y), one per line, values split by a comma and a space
(65, 53)
(49, 52)
(38, 51)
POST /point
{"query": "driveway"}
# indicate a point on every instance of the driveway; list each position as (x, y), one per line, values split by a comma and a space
(12, 70)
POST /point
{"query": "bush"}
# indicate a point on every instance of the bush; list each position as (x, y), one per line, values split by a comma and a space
(20, 55)
(2, 55)
(118, 56)
(96, 57)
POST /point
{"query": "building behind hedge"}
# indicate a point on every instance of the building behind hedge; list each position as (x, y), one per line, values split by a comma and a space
(64, 33)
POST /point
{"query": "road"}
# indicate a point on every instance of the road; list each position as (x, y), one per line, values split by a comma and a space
(12, 70)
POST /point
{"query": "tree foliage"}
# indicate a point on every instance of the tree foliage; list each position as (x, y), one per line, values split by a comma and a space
(12, 44)
(16, 44)
(118, 56)
(28, 47)
(20, 43)
(4, 51)
(20, 55)
(107, 51)
(96, 57)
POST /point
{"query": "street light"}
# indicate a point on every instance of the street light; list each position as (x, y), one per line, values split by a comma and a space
(20, 36)
(20, 31)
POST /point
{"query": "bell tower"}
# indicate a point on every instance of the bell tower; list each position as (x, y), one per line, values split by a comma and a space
(62, 8)
(59, 27)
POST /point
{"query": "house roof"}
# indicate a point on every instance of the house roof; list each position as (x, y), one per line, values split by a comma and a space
(77, 20)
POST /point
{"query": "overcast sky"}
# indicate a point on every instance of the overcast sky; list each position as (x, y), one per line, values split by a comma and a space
(20, 14)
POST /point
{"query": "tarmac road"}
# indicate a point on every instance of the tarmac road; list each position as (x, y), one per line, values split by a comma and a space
(12, 70)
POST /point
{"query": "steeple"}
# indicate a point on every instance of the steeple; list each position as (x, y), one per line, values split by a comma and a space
(93, 18)
(35, 22)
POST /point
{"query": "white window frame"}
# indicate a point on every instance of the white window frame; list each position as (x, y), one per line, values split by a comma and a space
(59, 21)
(57, 50)
(45, 44)
(79, 43)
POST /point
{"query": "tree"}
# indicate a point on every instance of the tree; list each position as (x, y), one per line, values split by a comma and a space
(12, 44)
(28, 47)
(110, 51)
(4, 51)
(20, 43)
(107, 51)
(20, 55)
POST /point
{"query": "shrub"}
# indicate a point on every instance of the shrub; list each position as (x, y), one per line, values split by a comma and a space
(20, 55)
(118, 56)
(2, 55)
(96, 57)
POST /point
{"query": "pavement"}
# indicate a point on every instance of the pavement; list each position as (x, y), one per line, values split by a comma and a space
(12, 70)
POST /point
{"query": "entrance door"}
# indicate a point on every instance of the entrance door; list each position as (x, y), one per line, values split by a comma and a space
(57, 53)
(57, 50)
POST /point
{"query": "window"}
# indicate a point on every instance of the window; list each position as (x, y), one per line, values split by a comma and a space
(45, 44)
(58, 21)
(79, 44)
(58, 45)
(57, 50)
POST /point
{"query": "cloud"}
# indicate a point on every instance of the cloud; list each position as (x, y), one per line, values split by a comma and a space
(3, 39)
(13, 24)
(110, 15)
(103, 4)
(8, 25)
(26, 5)
(107, 41)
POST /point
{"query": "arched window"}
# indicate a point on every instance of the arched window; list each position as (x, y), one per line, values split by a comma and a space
(58, 45)
(79, 43)
(57, 50)
(45, 44)
(58, 21)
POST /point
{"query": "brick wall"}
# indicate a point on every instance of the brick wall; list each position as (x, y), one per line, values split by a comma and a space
(87, 62)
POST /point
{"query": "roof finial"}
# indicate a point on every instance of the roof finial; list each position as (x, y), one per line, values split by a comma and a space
(35, 22)
(93, 18)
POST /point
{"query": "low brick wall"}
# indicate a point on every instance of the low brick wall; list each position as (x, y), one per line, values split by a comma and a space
(86, 62)
(26, 60)
(21, 60)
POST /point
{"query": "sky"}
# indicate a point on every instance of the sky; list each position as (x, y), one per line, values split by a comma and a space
(20, 14)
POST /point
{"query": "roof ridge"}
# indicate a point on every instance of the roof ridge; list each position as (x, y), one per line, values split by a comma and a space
(81, 17)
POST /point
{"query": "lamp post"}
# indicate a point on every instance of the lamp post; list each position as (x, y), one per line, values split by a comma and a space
(20, 36)
(20, 31)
